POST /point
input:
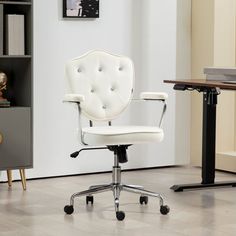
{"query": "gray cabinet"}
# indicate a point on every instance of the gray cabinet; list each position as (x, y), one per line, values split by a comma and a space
(15, 149)
(16, 121)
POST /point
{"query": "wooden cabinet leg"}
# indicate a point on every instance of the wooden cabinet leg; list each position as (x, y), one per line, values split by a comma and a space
(9, 177)
(23, 179)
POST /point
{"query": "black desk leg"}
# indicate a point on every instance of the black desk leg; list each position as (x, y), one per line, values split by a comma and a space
(208, 146)
(208, 137)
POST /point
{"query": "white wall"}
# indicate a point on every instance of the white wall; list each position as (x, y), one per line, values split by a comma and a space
(183, 71)
(145, 30)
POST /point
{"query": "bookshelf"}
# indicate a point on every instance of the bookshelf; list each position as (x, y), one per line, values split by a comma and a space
(16, 121)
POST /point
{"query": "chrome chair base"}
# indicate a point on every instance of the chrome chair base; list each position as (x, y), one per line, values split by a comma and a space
(116, 187)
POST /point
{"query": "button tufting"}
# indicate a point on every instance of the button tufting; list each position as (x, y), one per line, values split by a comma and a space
(101, 82)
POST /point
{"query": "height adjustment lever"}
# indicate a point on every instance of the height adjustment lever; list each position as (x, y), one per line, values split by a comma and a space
(75, 154)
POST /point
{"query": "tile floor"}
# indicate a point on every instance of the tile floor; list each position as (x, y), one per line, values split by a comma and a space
(39, 210)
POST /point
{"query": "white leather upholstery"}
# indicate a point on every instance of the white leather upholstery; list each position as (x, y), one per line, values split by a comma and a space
(106, 81)
(70, 97)
(118, 135)
(103, 85)
(153, 96)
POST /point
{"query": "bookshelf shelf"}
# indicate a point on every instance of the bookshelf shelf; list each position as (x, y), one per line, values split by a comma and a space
(14, 56)
(16, 151)
(15, 3)
(16, 107)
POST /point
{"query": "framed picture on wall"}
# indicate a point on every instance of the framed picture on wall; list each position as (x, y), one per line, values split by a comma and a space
(81, 8)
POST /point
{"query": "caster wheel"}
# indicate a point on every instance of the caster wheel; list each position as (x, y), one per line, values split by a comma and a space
(68, 209)
(120, 215)
(143, 199)
(164, 210)
(89, 199)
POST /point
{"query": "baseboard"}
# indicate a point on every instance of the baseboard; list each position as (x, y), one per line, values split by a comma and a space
(96, 173)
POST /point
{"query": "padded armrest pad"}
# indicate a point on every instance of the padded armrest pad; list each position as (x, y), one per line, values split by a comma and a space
(153, 96)
(73, 97)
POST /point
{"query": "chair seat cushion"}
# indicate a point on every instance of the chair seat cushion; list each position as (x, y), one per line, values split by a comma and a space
(121, 135)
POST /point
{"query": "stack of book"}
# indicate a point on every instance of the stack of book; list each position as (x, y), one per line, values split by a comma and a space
(1, 29)
(223, 74)
(12, 33)
(15, 35)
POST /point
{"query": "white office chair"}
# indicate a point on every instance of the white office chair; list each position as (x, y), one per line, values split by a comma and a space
(101, 84)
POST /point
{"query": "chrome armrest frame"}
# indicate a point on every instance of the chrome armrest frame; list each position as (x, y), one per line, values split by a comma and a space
(163, 109)
(163, 113)
(75, 154)
(80, 126)
(80, 122)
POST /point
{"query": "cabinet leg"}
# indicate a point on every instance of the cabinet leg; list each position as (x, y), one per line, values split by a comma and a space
(9, 177)
(23, 179)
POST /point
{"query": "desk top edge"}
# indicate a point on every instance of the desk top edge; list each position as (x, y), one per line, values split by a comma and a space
(203, 83)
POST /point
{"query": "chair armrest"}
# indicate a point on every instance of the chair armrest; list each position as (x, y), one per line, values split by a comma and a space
(153, 96)
(77, 99)
(73, 97)
(156, 96)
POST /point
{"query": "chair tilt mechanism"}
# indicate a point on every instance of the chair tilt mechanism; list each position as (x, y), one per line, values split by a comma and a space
(101, 85)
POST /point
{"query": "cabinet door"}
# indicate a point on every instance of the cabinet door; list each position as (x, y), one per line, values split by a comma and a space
(16, 146)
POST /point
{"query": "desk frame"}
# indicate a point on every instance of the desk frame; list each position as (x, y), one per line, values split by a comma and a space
(210, 94)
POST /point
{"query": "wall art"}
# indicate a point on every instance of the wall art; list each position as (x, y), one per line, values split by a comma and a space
(81, 8)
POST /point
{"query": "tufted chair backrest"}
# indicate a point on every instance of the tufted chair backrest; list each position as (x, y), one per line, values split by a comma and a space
(106, 81)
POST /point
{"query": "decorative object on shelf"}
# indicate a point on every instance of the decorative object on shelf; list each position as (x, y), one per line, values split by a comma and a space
(81, 8)
(3, 86)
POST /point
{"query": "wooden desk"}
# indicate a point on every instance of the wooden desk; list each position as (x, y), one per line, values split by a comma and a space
(210, 90)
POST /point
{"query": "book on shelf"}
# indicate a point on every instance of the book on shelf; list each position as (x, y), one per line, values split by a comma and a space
(15, 34)
(1, 29)
(220, 73)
